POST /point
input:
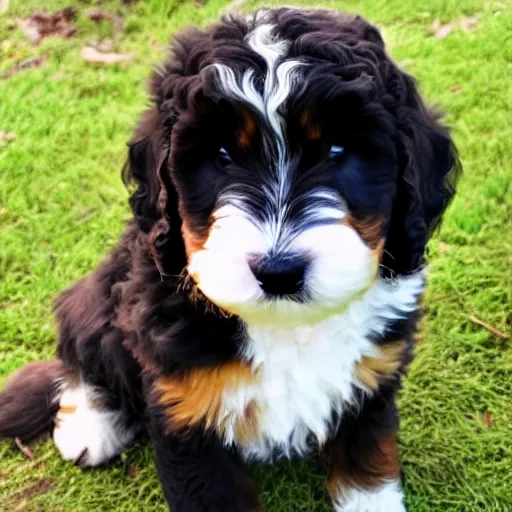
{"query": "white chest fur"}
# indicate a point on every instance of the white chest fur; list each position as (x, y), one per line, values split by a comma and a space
(307, 373)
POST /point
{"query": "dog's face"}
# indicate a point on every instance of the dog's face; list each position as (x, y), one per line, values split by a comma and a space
(302, 161)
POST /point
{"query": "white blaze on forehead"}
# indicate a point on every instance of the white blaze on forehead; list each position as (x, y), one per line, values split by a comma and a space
(279, 79)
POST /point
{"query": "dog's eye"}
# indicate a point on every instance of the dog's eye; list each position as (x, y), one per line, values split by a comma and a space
(223, 157)
(336, 152)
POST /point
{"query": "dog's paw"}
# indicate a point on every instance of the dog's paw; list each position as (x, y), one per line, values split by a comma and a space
(387, 498)
(87, 433)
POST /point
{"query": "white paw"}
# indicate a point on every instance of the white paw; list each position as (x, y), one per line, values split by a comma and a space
(84, 432)
(387, 498)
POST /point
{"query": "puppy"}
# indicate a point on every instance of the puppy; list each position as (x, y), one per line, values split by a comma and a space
(262, 303)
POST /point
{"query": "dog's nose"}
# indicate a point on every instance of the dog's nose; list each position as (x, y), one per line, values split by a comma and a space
(280, 275)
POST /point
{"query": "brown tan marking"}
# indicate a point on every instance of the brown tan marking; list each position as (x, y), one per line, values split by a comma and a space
(67, 409)
(371, 370)
(196, 398)
(193, 242)
(247, 131)
(313, 131)
(376, 465)
(63, 409)
(370, 231)
(246, 428)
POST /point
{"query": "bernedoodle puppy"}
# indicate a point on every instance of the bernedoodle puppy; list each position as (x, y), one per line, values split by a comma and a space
(263, 301)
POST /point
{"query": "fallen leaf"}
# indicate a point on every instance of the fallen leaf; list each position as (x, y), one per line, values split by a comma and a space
(197, 4)
(30, 30)
(444, 31)
(100, 14)
(7, 136)
(133, 471)
(94, 56)
(31, 62)
(441, 31)
(455, 88)
(468, 23)
(488, 419)
(40, 25)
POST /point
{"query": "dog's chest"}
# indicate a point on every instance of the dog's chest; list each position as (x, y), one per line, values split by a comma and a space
(304, 377)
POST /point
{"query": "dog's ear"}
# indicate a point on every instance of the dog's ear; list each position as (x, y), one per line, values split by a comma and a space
(154, 201)
(429, 170)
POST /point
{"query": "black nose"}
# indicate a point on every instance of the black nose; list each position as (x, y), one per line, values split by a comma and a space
(280, 275)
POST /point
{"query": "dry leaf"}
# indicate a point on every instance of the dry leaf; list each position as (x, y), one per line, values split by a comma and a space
(40, 25)
(441, 31)
(31, 62)
(455, 88)
(444, 31)
(100, 15)
(488, 419)
(30, 30)
(94, 56)
(7, 136)
(133, 471)
(468, 23)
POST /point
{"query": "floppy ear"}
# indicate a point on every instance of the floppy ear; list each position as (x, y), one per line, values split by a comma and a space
(154, 201)
(429, 169)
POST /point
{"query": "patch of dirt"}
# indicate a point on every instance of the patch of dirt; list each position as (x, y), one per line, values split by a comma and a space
(40, 25)
(133, 471)
(43, 486)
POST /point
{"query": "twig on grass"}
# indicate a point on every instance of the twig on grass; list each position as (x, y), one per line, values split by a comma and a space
(490, 328)
(24, 449)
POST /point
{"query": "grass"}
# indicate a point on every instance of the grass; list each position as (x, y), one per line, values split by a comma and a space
(62, 206)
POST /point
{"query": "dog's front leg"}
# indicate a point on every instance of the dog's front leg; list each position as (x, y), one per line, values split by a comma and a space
(364, 473)
(199, 474)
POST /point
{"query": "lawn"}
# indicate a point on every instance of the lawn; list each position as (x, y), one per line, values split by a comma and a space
(62, 205)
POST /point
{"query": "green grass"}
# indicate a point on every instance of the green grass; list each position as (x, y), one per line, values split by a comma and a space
(62, 206)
